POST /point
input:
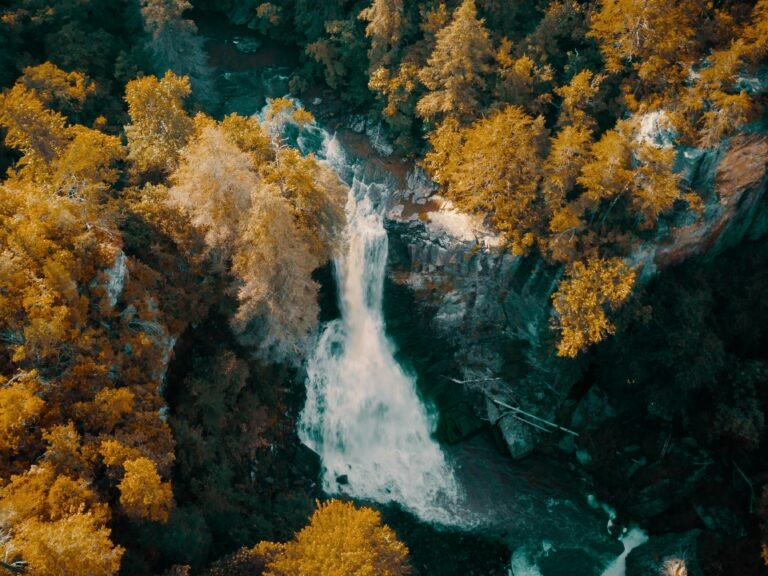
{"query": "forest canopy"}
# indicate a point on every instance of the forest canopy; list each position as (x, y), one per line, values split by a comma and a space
(133, 211)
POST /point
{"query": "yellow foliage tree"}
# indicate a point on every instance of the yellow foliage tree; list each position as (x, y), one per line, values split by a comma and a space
(213, 185)
(38, 132)
(63, 91)
(142, 492)
(274, 265)
(623, 166)
(657, 39)
(385, 29)
(645, 33)
(569, 152)
(340, 540)
(494, 167)
(582, 298)
(70, 160)
(756, 32)
(577, 96)
(270, 213)
(456, 72)
(520, 80)
(19, 408)
(160, 126)
(72, 546)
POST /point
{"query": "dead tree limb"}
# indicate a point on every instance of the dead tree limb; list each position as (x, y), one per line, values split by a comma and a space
(534, 417)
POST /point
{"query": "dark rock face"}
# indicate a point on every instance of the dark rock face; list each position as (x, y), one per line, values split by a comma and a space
(733, 179)
(494, 308)
(490, 313)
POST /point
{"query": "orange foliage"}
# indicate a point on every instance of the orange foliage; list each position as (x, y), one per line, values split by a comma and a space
(494, 167)
(581, 300)
(72, 546)
(143, 494)
(20, 407)
(340, 540)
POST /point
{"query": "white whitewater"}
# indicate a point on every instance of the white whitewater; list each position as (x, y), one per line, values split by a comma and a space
(633, 538)
(363, 415)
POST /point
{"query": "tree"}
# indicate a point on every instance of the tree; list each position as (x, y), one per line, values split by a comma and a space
(39, 133)
(756, 32)
(455, 74)
(647, 34)
(399, 94)
(658, 39)
(270, 214)
(339, 540)
(341, 55)
(19, 408)
(315, 196)
(274, 265)
(568, 153)
(520, 80)
(160, 126)
(87, 167)
(62, 91)
(213, 185)
(385, 28)
(175, 45)
(70, 160)
(581, 300)
(72, 546)
(493, 167)
(623, 167)
(577, 97)
(142, 492)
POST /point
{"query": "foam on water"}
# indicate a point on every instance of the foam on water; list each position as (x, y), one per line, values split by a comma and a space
(363, 415)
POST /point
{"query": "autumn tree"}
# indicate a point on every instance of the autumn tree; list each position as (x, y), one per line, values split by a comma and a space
(83, 341)
(578, 97)
(658, 39)
(271, 216)
(213, 184)
(399, 92)
(456, 72)
(756, 31)
(570, 150)
(62, 91)
(623, 167)
(493, 167)
(20, 407)
(38, 132)
(714, 106)
(72, 546)
(340, 539)
(386, 25)
(143, 494)
(589, 289)
(64, 159)
(521, 81)
(160, 126)
(274, 266)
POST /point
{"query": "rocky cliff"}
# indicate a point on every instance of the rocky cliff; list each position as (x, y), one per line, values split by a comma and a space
(495, 307)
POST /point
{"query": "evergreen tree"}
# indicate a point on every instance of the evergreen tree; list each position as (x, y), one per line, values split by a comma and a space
(175, 45)
(456, 72)
(386, 26)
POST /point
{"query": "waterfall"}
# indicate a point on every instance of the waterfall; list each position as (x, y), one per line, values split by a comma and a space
(363, 415)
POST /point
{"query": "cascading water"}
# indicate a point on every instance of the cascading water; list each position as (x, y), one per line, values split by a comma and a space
(363, 415)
